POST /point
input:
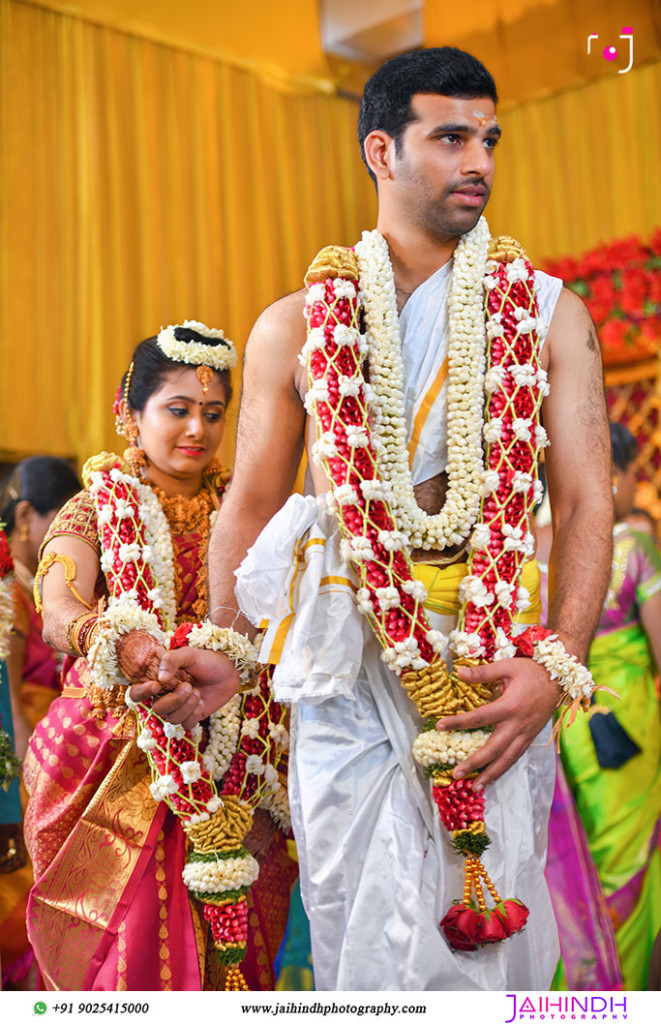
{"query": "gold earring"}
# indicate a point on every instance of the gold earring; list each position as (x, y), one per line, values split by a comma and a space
(24, 533)
(134, 455)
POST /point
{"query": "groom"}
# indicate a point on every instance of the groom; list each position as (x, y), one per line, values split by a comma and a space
(376, 874)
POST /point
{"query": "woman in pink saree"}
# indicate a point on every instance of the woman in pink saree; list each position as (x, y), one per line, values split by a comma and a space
(109, 909)
(36, 489)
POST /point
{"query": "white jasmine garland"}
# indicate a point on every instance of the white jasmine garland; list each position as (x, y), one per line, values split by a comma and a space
(392, 540)
(571, 675)
(466, 645)
(357, 436)
(220, 875)
(324, 448)
(196, 353)
(504, 646)
(543, 381)
(432, 747)
(438, 641)
(504, 592)
(163, 787)
(494, 328)
(250, 728)
(521, 428)
(388, 597)
(541, 437)
(345, 495)
(279, 734)
(516, 270)
(473, 589)
(524, 374)
(465, 387)
(190, 771)
(375, 490)
(382, 427)
(521, 482)
(173, 732)
(145, 740)
(416, 589)
(236, 646)
(349, 387)
(361, 549)
(492, 431)
(343, 288)
(6, 613)
(480, 536)
(275, 801)
(490, 483)
(255, 765)
(493, 379)
(345, 335)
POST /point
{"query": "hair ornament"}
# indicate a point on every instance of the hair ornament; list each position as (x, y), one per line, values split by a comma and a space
(196, 353)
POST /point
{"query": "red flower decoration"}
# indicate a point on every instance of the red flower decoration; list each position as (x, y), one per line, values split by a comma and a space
(493, 927)
(6, 561)
(461, 925)
(621, 285)
(514, 914)
(526, 640)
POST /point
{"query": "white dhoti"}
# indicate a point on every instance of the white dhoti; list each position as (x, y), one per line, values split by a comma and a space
(377, 868)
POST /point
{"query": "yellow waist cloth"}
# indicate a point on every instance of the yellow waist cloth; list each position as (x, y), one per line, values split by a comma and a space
(442, 586)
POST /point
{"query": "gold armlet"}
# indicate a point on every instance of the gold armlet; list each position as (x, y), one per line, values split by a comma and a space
(69, 567)
(82, 632)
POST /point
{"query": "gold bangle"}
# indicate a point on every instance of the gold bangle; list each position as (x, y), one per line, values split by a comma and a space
(80, 632)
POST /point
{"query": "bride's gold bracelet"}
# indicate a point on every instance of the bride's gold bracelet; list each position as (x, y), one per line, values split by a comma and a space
(81, 633)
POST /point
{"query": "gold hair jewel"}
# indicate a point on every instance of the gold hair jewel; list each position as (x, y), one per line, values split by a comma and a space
(204, 374)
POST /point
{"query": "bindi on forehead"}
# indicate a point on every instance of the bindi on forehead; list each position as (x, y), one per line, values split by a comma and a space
(484, 119)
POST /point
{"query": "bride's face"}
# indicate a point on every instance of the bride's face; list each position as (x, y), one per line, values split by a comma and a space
(180, 429)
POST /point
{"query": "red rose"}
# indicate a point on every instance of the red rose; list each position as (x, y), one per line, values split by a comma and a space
(514, 912)
(461, 925)
(524, 641)
(181, 634)
(493, 927)
(6, 562)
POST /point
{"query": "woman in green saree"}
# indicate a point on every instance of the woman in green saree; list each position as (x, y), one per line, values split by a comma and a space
(612, 755)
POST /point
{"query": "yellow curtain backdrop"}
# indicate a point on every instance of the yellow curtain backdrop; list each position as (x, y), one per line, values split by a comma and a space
(581, 167)
(142, 185)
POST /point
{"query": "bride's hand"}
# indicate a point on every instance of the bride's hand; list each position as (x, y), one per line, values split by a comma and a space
(210, 681)
(138, 655)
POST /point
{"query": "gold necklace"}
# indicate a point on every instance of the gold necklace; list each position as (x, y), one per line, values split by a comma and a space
(186, 516)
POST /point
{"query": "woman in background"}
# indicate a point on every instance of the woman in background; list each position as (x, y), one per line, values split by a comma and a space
(35, 491)
(612, 755)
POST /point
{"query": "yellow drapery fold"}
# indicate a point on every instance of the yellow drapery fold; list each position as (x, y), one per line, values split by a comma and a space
(442, 586)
